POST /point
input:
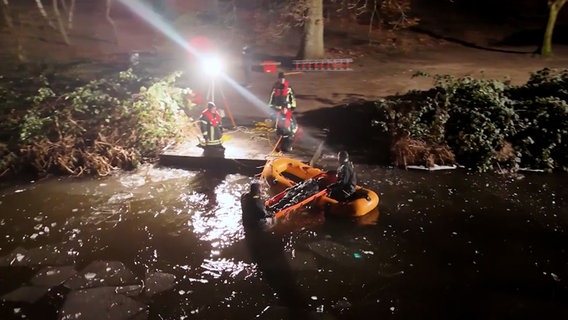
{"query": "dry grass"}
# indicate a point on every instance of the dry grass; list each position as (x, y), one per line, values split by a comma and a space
(506, 152)
(407, 151)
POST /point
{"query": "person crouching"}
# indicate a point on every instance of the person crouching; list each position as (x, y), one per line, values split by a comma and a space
(286, 128)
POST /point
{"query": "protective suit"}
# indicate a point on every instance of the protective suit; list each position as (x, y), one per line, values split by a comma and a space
(346, 182)
(211, 126)
(286, 128)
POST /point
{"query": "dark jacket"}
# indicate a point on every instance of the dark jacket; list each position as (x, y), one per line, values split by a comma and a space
(211, 127)
(282, 94)
(254, 210)
(346, 182)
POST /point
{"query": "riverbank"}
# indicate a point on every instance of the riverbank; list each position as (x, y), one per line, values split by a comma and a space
(383, 66)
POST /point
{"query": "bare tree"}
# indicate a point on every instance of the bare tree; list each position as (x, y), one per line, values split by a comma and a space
(69, 11)
(554, 6)
(109, 19)
(70, 15)
(6, 13)
(280, 16)
(44, 14)
(60, 24)
(12, 27)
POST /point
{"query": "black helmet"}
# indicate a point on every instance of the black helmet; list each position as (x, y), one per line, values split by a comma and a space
(343, 156)
(280, 75)
(211, 104)
(255, 187)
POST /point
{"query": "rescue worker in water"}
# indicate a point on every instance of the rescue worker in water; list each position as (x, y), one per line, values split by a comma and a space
(254, 213)
(211, 126)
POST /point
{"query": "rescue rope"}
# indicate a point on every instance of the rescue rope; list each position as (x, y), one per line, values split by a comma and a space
(275, 146)
(261, 131)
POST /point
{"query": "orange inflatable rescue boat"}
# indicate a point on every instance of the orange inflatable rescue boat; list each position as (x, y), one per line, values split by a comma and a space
(283, 174)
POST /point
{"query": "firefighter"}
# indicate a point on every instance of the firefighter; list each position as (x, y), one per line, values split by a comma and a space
(346, 181)
(286, 128)
(282, 94)
(211, 126)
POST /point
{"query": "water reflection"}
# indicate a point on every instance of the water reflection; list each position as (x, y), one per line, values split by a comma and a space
(215, 208)
(447, 244)
(267, 251)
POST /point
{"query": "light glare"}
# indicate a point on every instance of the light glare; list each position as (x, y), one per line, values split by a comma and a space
(212, 65)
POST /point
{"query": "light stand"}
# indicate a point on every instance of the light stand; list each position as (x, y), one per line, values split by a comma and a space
(211, 97)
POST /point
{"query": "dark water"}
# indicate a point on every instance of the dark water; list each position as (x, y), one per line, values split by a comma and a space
(446, 245)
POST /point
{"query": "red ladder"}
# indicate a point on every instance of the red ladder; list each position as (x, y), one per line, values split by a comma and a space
(323, 65)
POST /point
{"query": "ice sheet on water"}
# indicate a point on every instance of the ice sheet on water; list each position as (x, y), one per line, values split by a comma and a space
(302, 260)
(15, 258)
(50, 254)
(120, 197)
(102, 274)
(158, 282)
(433, 168)
(133, 181)
(336, 252)
(29, 294)
(89, 303)
(164, 174)
(53, 276)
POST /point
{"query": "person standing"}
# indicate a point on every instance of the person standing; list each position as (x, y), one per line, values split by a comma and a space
(282, 94)
(286, 128)
(254, 213)
(247, 62)
(211, 126)
(346, 182)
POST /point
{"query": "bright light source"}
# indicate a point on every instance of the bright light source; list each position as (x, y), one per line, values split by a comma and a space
(212, 65)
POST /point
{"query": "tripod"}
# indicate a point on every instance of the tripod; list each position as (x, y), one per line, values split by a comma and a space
(211, 97)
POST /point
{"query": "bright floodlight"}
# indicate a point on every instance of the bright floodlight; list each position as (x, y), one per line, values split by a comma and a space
(212, 65)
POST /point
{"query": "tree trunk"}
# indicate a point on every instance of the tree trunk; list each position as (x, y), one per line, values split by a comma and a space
(62, 29)
(554, 7)
(110, 20)
(312, 40)
(41, 9)
(20, 51)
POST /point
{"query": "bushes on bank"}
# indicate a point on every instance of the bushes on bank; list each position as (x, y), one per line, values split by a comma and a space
(486, 124)
(91, 128)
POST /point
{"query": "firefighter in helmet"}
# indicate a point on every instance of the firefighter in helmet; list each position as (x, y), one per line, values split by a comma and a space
(282, 94)
(211, 126)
